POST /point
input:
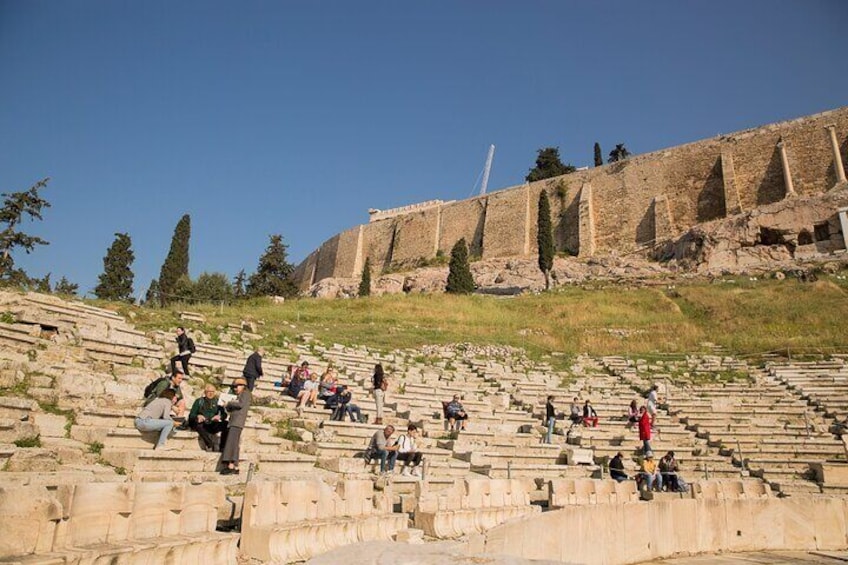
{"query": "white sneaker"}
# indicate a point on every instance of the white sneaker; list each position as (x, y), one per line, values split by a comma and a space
(416, 472)
(404, 472)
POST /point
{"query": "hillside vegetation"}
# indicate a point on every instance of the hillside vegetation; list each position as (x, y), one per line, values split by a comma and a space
(742, 316)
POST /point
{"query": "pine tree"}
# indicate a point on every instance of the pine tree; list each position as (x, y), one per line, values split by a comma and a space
(273, 276)
(365, 281)
(460, 280)
(17, 207)
(620, 153)
(176, 263)
(64, 286)
(151, 297)
(545, 239)
(116, 281)
(599, 158)
(239, 283)
(548, 164)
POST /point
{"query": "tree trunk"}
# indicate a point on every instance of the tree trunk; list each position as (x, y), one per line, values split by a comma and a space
(547, 280)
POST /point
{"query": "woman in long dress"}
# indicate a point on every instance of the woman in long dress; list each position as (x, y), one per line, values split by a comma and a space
(237, 409)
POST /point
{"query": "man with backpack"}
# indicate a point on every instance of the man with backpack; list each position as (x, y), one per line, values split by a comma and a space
(185, 349)
(154, 390)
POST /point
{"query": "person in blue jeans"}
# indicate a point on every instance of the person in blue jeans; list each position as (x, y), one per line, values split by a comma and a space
(380, 449)
(156, 417)
(550, 418)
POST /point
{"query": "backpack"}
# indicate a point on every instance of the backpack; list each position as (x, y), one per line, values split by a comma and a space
(191, 347)
(148, 390)
(384, 384)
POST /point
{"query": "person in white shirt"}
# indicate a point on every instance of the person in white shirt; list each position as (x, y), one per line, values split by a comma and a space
(408, 452)
(653, 400)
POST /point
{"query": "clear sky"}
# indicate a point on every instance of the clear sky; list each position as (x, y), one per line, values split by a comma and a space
(296, 117)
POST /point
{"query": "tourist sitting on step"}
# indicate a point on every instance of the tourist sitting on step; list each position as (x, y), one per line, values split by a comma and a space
(408, 452)
(616, 468)
(632, 414)
(669, 470)
(309, 395)
(590, 417)
(455, 414)
(379, 448)
(209, 419)
(341, 405)
(237, 410)
(575, 412)
(156, 417)
(645, 429)
(172, 382)
(329, 383)
(649, 475)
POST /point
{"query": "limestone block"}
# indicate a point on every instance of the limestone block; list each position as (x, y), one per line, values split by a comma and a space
(100, 514)
(50, 425)
(156, 510)
(831, 474)
(199, 507)
(579, 456)
(28, 519)
(80, 386)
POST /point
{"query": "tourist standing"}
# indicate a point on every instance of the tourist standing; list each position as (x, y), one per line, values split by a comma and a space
(237, 409)
(253, 368)
(185, 348)
(380, 384)
(550, 418)
(645, 429)
(653, 400)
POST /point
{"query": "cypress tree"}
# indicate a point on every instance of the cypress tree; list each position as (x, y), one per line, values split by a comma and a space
(176, 263)
(273, 276)
(116, 281)
(239, 284)
(460, 280)
(599, 159)
(545, 238)
(365, 281)
(151, 297)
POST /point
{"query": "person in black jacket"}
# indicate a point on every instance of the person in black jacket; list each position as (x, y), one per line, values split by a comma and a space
(550, 419)
(185, 347)
(253, 368)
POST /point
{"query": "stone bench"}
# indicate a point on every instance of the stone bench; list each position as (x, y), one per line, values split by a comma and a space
(471, 506)
(730, 489)
(566, 492)
(114, 522)
(288, 521)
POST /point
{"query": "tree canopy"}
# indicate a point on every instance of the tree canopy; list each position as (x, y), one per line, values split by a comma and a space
(176, 263)
(116, 280)
(273, 276)
(599, 158)
(18, 206)
(548, 164)
(620, 153)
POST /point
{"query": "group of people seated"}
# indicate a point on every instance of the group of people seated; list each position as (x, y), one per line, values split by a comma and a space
(585, 415)
(652, 475)
(387, 450)
(217, 419)
(303, 385)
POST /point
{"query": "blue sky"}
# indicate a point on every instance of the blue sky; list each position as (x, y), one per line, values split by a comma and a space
(296, 117)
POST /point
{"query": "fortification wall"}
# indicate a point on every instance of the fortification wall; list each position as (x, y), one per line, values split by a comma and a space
(625, 205)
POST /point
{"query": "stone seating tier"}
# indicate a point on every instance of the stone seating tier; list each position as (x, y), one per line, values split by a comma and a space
(294, 520)
(471, 506)
(114, 522)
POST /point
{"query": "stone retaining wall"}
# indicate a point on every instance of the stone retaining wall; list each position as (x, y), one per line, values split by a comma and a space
(650, 197)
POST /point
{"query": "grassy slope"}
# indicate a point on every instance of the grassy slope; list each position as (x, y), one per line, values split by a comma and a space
(745, 317)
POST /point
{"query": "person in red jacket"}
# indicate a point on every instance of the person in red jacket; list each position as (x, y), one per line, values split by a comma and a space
(645, 429)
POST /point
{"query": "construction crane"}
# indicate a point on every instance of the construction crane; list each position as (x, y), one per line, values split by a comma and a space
(487, 169)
